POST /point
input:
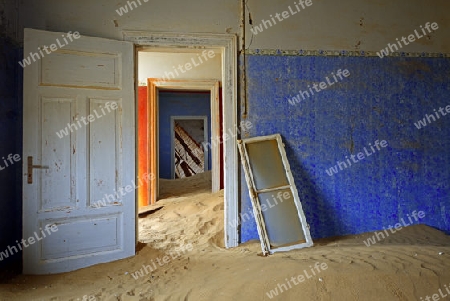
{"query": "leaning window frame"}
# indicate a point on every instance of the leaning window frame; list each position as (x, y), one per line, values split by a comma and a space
(253, 193)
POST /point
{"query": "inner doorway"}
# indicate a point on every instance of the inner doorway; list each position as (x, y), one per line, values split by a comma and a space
(156, 87)
(184, 135)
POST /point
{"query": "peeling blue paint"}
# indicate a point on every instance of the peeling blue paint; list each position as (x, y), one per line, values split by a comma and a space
(380, 100)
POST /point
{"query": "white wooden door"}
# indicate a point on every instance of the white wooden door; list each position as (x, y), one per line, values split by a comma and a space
(79, 121)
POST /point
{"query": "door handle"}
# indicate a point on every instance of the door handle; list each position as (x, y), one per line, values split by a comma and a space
(31, 167)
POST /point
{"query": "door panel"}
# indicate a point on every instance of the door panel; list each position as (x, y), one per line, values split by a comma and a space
(56, 113)
(81, 69)
(105, 156)
(76, 238)
(79, 125)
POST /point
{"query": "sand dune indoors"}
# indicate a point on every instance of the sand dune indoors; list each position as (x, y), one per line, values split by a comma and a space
(181, 257)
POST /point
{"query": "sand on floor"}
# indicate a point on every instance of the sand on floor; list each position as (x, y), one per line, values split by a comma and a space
(181, 256)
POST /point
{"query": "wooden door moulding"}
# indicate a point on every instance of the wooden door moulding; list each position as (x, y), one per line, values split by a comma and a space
(154, 85)
(227, 44)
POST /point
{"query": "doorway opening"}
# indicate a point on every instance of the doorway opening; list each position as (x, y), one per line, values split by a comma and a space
(226, 46)
(184, 138)
(148, 131)
(179, 144)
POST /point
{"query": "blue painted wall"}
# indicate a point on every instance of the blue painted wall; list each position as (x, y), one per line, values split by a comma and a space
(10, 143)
(380, 100)
(179, 104)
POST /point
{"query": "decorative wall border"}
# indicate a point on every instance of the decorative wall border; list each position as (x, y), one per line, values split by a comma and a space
(301, 52)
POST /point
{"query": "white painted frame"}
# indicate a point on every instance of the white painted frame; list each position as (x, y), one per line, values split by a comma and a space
(212, 86)
(172, 139)
(253, 192)
(227, 44)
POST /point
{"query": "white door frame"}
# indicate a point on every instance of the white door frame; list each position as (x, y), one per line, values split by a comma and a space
(226, 43)
(154, 86)
(172, 141)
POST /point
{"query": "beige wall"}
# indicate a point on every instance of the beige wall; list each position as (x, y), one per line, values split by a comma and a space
(350, 25)
(326, 24)
(99, 18)
(156, 64)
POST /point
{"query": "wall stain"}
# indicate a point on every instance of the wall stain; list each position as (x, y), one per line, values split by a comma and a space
(411, 68)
